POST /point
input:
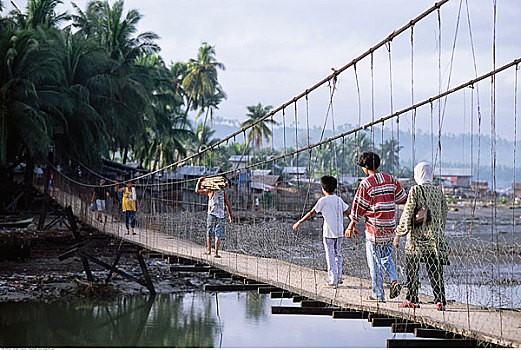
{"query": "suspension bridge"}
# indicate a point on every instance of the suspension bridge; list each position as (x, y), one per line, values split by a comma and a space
(483, 280)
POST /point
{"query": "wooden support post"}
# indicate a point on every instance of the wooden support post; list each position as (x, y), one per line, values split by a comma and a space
(431, 343)
(77, 238)
(407, 327)
(114, 264)
(295, 310)
(115, 270)
(146, 275)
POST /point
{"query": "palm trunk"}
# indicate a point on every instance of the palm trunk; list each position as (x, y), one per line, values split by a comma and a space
(125, 154)
(3, 141)
(156, 156)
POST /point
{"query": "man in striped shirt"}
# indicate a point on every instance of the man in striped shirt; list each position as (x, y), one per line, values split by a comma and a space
(376, 200)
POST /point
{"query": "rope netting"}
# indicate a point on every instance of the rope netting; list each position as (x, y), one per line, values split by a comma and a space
(481, 230)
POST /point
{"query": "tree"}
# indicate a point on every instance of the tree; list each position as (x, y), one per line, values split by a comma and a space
(261, 130)
(201, 83)
(390, 156)
(40, 13)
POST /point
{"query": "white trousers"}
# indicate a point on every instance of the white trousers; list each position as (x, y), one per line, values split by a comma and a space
(333, 248)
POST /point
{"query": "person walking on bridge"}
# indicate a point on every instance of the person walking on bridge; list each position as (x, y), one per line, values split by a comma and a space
(376, 200)
(129, 206)
(100, 196)
(426, 241)
(215, 225)
(332, 208)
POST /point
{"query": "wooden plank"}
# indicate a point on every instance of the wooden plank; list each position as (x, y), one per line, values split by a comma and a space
(434, 333)
(231, 287)
(295, 310)
(431, 343)
(406, 327)
(372, 315)
(299, 298)
(313, 303)
(188, 268)
(384, 322)
(283, 295)
(221, 274)
(350, 314)
(268, 290)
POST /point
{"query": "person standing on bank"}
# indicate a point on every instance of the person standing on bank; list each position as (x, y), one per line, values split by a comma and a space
(426, 241)
(376, 200)
(129, 206)
(215, 225)
(100, 195)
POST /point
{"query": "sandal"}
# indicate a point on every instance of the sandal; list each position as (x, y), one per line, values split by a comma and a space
(408, 304)
(217, 256)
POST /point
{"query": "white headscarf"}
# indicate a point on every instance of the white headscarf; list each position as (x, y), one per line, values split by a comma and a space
(423, 173)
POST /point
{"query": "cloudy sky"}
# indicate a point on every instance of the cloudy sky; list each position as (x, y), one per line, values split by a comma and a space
(274, 49)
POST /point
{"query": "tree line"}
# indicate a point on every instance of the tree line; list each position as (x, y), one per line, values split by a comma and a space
(79, 87)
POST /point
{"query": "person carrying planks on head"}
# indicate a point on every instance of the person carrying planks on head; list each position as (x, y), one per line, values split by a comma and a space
(215, 224)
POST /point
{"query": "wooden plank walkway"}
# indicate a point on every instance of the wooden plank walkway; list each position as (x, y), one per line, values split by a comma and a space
(491, 325)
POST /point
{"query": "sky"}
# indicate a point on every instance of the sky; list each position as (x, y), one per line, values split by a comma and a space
(274, 50)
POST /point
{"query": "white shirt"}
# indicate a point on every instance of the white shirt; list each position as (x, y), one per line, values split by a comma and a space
(216, 204)
(332, 208)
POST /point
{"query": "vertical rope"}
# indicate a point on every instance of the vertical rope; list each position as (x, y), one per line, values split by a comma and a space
(413, 113)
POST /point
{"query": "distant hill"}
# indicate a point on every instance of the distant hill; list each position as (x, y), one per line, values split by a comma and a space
(455, 148)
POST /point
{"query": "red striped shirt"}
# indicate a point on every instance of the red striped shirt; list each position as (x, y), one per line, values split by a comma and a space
(376, 199)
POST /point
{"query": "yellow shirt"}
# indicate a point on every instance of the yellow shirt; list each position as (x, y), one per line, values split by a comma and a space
(129, 201)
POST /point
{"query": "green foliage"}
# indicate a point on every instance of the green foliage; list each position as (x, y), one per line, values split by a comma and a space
(452, 200)
(99, 90)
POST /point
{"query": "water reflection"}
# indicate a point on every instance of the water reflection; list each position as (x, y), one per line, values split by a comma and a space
(175, 320)
(178, 320)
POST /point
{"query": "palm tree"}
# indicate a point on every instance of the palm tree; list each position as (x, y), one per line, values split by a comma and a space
(390, 156)
(260, 130)
(201, 83)
(25, 70)
(202, 138)
(39, 13)
(115, 32)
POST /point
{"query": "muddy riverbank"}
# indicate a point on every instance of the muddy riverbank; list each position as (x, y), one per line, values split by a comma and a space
(34, 271)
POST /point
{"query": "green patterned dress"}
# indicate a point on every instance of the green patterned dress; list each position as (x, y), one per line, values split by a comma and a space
(429, 238)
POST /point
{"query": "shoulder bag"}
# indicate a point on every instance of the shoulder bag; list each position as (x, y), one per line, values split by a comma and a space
(422, 215)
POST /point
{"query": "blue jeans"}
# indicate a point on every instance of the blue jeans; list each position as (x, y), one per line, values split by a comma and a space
(215, 227)
(379, 260)
(130, 218)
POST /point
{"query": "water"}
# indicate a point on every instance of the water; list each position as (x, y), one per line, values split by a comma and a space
(179, 320)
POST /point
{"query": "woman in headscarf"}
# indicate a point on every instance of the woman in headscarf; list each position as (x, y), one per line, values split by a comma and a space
(425, 242)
